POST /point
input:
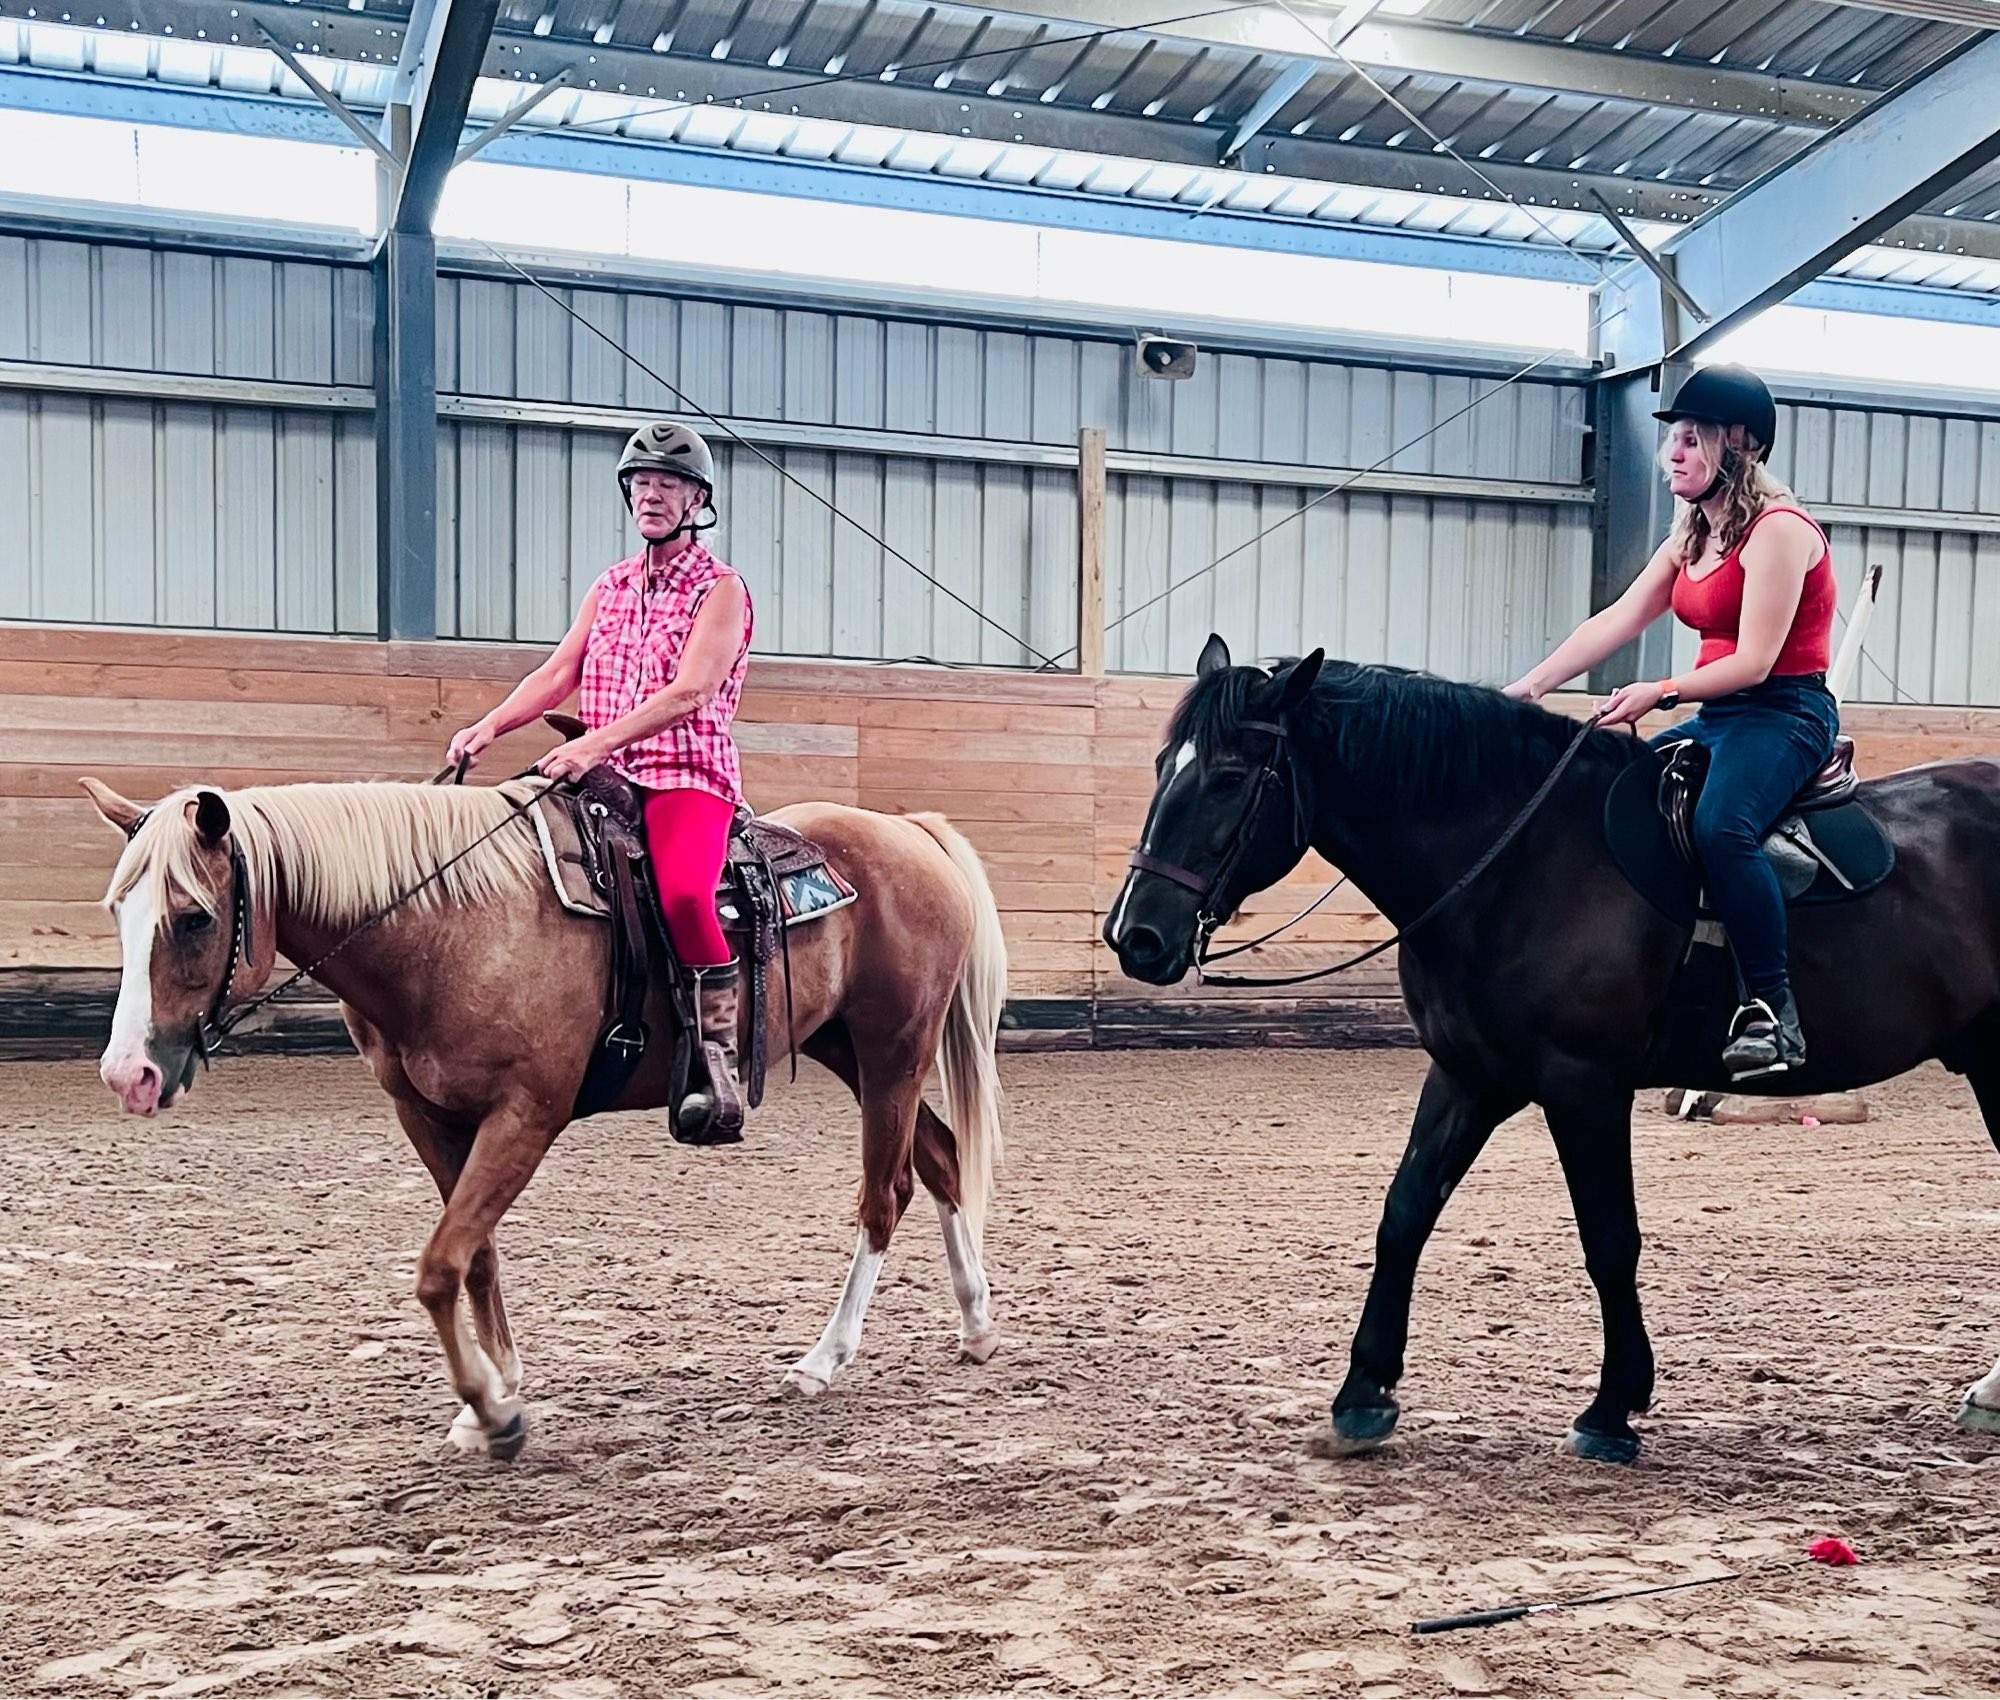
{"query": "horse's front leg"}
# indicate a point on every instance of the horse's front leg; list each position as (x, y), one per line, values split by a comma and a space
(459, 1258)
(1593, 1136)
(1452, 1126)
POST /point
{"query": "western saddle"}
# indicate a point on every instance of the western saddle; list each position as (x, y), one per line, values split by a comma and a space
(594, 843)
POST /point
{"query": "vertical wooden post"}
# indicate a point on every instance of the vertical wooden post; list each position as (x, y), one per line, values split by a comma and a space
(1090, 534)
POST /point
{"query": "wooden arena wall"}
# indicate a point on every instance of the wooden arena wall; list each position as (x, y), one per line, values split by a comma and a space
(1048, 774)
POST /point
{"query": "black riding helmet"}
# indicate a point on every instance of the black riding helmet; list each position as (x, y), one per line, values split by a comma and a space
(1725, 396)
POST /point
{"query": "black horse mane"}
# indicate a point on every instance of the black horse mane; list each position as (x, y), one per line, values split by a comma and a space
(1394, 732)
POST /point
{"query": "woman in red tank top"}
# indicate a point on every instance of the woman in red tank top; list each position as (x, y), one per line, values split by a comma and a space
(1747, 568)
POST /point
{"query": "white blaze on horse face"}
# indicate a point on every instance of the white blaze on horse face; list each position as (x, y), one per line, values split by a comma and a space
(125, 1062)
(1183, 760)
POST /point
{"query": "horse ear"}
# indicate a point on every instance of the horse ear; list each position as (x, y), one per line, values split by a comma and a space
(121, 812)
(211, 818)
(1214, 656)
(1300, 680)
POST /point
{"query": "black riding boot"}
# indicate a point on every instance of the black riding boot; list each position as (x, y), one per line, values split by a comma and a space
(1764, 1038)
(712, 1112)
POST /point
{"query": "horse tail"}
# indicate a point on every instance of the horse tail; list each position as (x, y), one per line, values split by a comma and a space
(965, 1059)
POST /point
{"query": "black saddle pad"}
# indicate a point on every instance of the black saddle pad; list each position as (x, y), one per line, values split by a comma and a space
(1849, 836)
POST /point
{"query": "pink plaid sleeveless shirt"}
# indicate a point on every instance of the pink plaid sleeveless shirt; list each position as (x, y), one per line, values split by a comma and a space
(635, 647)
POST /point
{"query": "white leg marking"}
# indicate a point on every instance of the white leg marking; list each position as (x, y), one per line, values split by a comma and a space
(1986, 1393)
(479, 1382)
(814, 1372)
(978, 1338)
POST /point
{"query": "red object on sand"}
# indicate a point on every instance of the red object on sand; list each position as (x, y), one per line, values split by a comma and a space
(1831, 1549)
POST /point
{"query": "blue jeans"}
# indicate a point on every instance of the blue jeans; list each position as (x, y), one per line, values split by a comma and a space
(1764, 742)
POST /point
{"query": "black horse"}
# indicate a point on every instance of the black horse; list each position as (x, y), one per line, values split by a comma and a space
(1548, 979)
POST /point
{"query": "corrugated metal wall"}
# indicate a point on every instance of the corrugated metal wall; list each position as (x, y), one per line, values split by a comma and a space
(1469, 586)
(1472, 590)
(529, 515)
(140, 508)
(990, 511)
(185, 441)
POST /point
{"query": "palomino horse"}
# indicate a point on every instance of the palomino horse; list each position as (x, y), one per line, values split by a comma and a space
(1547, 978)
(477, 1003)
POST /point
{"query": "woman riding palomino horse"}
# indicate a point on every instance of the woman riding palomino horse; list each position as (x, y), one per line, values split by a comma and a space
(476, 996)
(1749, 570)
(656, 658)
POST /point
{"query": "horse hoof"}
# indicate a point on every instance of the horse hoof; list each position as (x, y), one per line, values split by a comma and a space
(805, 1384)
(1975, 1418)
(1361, 1428)
(1601, 1448)
(977, 1348)
(503, 1443)
(511, 1437)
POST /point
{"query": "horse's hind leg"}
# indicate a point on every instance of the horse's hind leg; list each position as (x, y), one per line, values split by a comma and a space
(889, 1091)
(505, 1154)
(1979, 1411)
(935, 1153)
(1452, 1126)
(937, 1167)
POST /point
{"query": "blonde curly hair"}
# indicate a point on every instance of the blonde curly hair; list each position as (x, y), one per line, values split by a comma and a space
(1748, 488)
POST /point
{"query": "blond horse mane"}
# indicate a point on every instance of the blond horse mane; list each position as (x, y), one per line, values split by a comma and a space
(340, 852)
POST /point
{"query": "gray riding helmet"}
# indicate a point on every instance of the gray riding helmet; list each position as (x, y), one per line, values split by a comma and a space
(667, 446)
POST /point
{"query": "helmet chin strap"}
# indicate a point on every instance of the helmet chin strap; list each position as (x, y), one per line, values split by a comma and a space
(1724, 471)
(690, 527)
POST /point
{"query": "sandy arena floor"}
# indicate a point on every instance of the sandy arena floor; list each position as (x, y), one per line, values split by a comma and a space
(224, 1470)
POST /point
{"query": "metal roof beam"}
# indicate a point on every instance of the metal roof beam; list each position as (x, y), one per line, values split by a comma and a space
(1850, 187)
(1393, 45)
(1480, 56)
(1278, 94)
(1972, 14)
(329, 28)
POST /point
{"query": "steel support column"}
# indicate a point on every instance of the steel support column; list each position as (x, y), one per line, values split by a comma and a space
(406, 434)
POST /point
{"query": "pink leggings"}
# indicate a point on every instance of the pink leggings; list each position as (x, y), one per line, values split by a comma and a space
(688, 833)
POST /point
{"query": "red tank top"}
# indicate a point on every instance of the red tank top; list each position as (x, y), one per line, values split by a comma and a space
(1713, 606)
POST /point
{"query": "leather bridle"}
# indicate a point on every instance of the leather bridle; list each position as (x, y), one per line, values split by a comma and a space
(1209, 890)
(1280, 763)
(214, 1026)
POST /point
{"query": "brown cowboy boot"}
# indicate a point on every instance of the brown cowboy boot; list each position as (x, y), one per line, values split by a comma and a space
(712, 1112)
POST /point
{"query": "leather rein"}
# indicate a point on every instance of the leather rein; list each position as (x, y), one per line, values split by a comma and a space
(1210, 890)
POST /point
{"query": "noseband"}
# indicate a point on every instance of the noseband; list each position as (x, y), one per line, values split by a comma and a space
(1210, 890)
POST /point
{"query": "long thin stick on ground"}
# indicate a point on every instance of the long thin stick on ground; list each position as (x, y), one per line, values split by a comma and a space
(1510, 1614)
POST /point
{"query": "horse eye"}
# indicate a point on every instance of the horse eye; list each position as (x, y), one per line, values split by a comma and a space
(194, 923)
